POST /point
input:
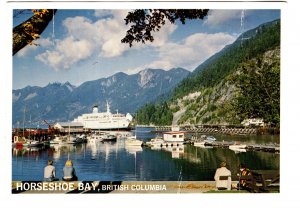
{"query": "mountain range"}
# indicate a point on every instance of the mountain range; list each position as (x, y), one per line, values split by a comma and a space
(64, 101)
(241, 81)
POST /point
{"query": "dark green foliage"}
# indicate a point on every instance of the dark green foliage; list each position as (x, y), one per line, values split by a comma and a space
(144, 22)
(158, 114)
(252, 44)
(228, 112)
(259, 94)
(259, 84)
(211, 107)
(206, 119)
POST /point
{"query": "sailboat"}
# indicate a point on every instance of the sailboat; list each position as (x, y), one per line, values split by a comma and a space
(70, 139)
(132, 140)
(21, 141)
(32, 143)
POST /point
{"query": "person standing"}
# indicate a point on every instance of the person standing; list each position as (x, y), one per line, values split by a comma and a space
(49, 172)
(223, 177)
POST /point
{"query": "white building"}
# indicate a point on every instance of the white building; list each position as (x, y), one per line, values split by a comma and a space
(69, 126)
(253, 122)
(174, 136)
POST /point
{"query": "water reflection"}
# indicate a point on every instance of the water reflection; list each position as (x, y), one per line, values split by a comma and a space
(176, 151)
(119, 161)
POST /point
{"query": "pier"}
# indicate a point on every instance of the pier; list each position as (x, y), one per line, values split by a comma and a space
(218, 129)
(273, 148)
(213, 129)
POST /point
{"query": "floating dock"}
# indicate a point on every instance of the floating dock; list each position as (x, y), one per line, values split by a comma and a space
(274, 148)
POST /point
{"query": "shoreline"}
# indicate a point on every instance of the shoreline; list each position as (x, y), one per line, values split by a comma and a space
(114, 187)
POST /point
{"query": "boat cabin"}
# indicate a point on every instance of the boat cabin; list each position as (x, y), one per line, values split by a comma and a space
(174, 136)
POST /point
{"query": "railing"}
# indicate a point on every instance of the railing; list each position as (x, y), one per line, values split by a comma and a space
(261, 181)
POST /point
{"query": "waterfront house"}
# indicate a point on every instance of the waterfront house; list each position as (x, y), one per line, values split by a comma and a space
(72, 127)
(253, 122)
(174, 136)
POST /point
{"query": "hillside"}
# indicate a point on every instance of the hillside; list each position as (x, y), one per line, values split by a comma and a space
(241, 81)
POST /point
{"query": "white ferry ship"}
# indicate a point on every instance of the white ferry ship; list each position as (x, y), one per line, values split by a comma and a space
(104, 120)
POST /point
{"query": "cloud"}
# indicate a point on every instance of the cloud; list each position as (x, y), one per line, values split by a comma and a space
(103, 37)
(219, 17)
(103, 13)
(189, 53)
(161, 37)
(85, 38)
(31, 48)
(66, 53)
(116, 14)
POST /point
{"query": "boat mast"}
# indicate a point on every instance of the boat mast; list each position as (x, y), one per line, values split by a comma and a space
(18, 127)
(107, 107)
(24, 121)
(29, 127)
(69, 133)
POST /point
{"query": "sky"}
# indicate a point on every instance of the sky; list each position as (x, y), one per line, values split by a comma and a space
(84, 45)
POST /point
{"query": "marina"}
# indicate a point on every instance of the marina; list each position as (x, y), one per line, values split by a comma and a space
(125, 159)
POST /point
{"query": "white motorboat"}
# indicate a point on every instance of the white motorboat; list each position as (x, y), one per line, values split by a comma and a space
(211, 139)
(80, 139)
(238, 147)
(34, 143)
(199, 143)
(155, 142)
(58, 140)
(95, 139)
(132, 141)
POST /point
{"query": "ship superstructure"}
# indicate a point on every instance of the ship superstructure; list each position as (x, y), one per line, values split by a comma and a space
(104, 120)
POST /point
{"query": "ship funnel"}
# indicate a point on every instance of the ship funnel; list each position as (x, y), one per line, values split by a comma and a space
(95, 109)
(129, 117)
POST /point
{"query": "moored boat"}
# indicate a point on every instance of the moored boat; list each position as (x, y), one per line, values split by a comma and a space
(104, 120)
(155, 142)
(236, 147)
(20, 141)
(132, 141)
(109, 137)
(80, 139)
(199, 143)
(211, 139)
(58, 140)
(94, 138)
(35, 143)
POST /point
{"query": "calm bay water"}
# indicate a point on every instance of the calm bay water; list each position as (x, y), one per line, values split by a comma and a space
(116, 161)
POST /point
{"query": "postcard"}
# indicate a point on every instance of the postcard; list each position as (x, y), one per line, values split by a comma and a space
(145, 100)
